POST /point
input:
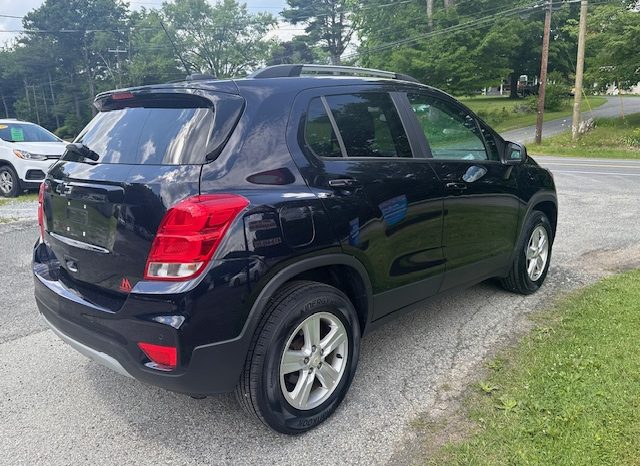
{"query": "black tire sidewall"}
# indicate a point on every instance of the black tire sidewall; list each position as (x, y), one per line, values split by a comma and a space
(15, 190)
(536, 219)
(276, 410)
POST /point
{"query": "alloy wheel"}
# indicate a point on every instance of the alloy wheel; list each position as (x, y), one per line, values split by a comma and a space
(537, 253)
(6, 182)
(314, 361)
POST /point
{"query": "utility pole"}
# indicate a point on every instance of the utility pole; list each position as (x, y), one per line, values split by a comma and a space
(543, 71)
(118, 51)
(582, 36)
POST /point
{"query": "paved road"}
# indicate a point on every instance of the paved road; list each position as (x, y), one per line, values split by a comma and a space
(59, 408)
(612, 108)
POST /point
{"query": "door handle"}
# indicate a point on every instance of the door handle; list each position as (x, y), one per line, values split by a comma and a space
(456, 186)
(344, 183)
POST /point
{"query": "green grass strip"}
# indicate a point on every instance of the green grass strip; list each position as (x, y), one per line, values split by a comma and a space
(569, 393)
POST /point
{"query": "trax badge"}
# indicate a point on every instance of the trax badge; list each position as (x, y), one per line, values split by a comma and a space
(125, 285)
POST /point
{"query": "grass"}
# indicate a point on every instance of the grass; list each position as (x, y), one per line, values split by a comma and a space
(505, 114)
(569, 393)
(614, 138)
(29, 197)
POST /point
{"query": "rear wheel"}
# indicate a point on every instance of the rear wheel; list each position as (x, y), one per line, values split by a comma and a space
(302, 359)
(533, 255)
(9, 183)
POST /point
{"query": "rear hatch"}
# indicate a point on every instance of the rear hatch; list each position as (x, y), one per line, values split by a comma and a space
(101, 215)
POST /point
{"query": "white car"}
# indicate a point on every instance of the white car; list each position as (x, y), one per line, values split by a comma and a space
(26, 153)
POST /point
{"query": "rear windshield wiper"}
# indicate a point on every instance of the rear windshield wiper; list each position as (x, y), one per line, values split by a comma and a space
(81, 150)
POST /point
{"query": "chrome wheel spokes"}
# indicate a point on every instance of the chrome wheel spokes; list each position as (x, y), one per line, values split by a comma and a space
(314, 360)
(537, 253)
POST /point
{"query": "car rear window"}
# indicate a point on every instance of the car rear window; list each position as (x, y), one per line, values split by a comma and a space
(150, 135)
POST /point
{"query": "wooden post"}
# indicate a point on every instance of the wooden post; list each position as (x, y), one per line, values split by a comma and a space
(543, 72)
(582, 34)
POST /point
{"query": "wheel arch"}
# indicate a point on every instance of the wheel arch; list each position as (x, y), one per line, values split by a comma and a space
(546, 203)
(338, 270)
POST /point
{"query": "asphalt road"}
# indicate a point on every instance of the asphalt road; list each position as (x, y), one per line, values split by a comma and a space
(614, 107)
(56, 407)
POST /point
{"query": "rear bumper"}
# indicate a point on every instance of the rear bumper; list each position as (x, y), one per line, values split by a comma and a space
(89, 352)
(111, 338)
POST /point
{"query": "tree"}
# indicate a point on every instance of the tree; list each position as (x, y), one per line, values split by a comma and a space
(223, 38)
(470, 46)
(613, 54)
(294, 51)
(327, 23)
(153, 58)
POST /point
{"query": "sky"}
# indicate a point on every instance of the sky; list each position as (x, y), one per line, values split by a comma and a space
(21, 7)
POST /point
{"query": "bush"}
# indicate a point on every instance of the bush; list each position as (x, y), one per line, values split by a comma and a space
(555, 100)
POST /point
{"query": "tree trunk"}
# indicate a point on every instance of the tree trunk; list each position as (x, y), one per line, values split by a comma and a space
(26, 93)
(430, 14)
(76, 97)
(513, 92)
(4, 104)
(53, 102)
(448, 4)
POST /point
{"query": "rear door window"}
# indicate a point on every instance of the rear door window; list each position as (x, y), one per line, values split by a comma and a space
(150, 135)
(359, 125)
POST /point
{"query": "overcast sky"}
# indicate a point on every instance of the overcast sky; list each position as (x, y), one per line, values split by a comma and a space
(21, 7)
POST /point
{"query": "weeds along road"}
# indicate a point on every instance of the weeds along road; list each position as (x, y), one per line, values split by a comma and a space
(59, 408)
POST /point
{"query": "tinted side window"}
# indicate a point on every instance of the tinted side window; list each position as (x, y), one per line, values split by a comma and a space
(451, 132)
(369, 125)
(318, 132)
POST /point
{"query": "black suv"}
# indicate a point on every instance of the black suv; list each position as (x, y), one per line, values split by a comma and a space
(216, 235)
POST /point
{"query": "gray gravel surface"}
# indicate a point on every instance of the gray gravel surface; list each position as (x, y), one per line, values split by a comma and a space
(59, 408)
(614, 107)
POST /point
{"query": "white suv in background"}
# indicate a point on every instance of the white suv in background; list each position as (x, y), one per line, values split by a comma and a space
(26, 153)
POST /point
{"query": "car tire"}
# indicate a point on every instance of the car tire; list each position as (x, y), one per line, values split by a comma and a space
(532, 257)
(283, 360)
(9, 182)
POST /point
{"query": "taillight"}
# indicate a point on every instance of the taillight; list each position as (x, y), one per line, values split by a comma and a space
(43, 188)
(164, 356)
(189, 234)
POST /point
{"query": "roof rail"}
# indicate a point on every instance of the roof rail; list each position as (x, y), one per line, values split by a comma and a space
(287, 71)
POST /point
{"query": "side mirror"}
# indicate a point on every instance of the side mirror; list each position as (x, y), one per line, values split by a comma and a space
(514, 154)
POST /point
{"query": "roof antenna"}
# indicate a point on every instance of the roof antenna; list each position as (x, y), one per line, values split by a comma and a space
(186, 67)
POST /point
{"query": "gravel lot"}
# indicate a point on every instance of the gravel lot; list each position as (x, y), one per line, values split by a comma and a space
(59, 408)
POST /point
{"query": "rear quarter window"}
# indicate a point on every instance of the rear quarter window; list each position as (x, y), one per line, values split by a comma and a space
(154, 136)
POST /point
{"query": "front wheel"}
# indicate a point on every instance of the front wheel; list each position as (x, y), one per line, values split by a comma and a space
(9, 183)
(302, 359)
(533, 255)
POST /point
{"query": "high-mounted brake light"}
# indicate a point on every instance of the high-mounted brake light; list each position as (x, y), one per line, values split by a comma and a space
(122, 96)
(43, 188)
(164, 356)
(189, 234)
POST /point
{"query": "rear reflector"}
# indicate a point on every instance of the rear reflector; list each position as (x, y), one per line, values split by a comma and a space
(189, 234)
(164, 356)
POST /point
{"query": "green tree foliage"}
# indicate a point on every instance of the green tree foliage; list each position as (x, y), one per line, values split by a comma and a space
(296, 50)
(223, 38)
(471, 45)
(613, 46)
(328, 23)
